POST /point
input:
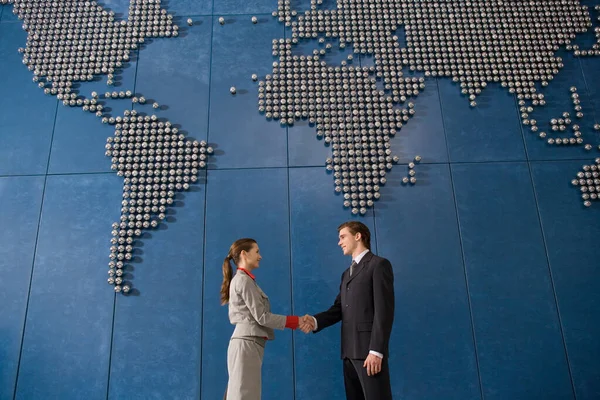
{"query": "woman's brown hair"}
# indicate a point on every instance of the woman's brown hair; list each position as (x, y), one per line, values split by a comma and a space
(235, 250)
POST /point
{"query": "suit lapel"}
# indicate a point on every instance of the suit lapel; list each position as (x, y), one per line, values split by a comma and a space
(360, 266)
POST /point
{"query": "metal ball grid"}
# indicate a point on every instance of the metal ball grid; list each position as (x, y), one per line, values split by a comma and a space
(75, 41)
(473, 42)
(156, 162)
(588, 181)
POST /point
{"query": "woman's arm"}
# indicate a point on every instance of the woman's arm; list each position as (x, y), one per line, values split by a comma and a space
(256, 303)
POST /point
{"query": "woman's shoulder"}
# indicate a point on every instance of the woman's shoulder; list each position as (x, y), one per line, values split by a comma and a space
(240, 279)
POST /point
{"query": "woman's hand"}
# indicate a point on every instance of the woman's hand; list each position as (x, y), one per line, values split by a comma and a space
(306, 324)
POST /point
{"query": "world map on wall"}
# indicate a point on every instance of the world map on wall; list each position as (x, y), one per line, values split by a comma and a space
(357, 110)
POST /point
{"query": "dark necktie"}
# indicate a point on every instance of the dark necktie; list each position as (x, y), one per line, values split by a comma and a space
(352, 267)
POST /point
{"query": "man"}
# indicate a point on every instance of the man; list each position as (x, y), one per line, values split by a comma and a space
(365, 305)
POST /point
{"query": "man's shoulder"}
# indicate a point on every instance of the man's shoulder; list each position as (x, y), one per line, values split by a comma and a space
(375, 259)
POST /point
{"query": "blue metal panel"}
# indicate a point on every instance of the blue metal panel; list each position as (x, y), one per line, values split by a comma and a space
(590, 67)
(20, 200)
(317, 268)
(182, 8)
(247, 203)
(224, 7)
(174, 72)
(571, 233)
(27, 117)
(66, 347)
(246, 139)
(156, 337)
(488, 132)
(432, 349)
(517, 331)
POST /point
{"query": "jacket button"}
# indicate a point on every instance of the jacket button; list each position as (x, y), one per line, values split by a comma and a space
(346, 305)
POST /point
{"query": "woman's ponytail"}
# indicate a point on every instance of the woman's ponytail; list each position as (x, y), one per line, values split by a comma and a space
(227, 276)
(235, 250)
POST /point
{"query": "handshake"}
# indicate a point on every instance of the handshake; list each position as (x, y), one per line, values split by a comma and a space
(306, 323)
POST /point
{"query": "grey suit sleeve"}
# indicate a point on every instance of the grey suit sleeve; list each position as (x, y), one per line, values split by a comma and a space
(259, 305)
(383, 299)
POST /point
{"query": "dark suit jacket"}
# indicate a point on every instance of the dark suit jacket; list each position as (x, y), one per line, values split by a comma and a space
(365, 305)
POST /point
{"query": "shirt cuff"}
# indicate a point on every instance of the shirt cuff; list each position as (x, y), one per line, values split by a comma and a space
(316, 324)
(376, 353)
(292, 321)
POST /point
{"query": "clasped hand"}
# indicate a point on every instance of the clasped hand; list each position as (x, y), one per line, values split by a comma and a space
(306, 323)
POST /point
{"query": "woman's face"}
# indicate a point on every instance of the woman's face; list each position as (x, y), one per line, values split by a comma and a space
(252, 257)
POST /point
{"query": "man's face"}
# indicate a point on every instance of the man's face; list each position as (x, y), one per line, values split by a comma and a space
(348, 242)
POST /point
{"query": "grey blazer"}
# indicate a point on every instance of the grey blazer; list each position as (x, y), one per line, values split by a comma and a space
(250, 310)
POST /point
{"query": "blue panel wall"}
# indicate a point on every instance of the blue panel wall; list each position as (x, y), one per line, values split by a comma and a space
(318, 264)
(247, 203)
(515, 319)
(66, 345)
(496, 260)
(435, 351)
(156, 333)
(27, 119)
(20, 201)
(573, 258)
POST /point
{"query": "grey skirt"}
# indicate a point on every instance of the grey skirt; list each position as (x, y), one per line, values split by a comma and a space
(244, 365)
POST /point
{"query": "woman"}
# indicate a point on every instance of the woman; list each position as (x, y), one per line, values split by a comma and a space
(250, 312)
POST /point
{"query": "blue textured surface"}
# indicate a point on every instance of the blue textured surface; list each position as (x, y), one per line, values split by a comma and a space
(317, 268)
(256, 201)
(20, 200)
(304, 148)
(175, 73)
(517, 331)
(590, 66)
(156, 331)
(495, 260)
(27, 117)
(488, 132)
(7, 14)
(66, 346)
(224, 7)
(571, 234)
(423, 134)
(431, 295)
(79, 136)
(181, 8)
(246, 139)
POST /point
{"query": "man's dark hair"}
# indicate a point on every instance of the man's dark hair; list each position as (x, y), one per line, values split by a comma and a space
(358, 227)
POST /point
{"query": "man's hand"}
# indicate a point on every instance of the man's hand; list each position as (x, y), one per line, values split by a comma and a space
(372, 364)
(307, 324)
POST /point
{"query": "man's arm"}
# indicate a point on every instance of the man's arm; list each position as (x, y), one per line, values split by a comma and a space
(332, 316)
(383, 300)
(327, 318)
